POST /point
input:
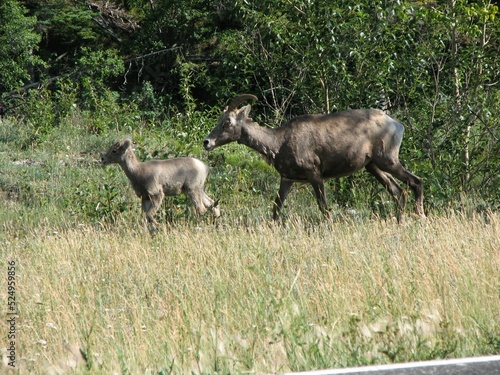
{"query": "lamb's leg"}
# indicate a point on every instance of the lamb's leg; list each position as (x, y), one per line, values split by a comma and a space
(210, 204)
(197, 199)
(149, 206)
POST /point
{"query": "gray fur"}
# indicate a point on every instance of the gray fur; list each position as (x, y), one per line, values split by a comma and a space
(152, 180)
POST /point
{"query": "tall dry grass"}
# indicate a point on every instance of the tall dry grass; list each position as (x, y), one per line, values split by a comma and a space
(255, 298)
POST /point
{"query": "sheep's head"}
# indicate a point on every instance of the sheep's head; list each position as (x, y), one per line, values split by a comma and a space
(229, 126)
(116, 153)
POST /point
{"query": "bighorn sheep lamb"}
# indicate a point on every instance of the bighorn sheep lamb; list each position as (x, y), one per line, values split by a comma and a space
(312, 148)
(154, 179)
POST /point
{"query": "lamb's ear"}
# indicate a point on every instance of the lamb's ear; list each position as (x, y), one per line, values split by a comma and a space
(127, 142)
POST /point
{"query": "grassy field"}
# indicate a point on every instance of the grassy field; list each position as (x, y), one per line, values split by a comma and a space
(255, 298)
(96, 294)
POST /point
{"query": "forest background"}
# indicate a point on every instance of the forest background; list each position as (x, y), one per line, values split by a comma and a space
(162, 65)
(96, 294)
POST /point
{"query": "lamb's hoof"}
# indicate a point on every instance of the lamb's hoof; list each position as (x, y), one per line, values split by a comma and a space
(215, 212)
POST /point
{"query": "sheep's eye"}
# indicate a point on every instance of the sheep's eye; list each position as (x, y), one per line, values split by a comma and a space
(226, 124)
(113, 151)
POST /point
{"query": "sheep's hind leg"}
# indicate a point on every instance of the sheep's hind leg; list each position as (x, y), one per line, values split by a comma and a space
(414, 182)
(392, 187)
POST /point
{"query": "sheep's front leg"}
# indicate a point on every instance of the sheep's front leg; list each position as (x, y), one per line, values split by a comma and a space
(149, 206)
(285, 186)
(319, 192)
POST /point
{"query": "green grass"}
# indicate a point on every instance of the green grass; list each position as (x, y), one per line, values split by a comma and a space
(258, 298)
(97, 294)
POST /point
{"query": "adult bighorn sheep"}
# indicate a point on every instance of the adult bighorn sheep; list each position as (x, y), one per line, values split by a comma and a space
(312, 148)
(154, 179)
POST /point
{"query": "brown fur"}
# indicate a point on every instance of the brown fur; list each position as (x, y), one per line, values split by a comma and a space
(312, 148)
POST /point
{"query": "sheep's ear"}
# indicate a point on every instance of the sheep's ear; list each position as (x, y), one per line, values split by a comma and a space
(244, 111)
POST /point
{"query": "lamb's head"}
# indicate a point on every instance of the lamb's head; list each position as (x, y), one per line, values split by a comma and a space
(116, 153)
(229, 126)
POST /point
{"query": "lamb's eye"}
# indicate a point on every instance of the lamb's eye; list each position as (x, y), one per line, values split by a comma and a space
(113, 151)
(226, 124)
